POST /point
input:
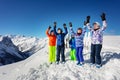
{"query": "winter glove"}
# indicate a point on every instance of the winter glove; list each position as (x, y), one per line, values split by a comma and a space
(70, 24)
(88, 19)
(49, 27)
(55, 24)
(85, 23)
(103, 17)
(64, 25)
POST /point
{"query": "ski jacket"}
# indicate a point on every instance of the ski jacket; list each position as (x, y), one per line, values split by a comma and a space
(60, 37)
(72, 43)
(97, 36)
(52, 39)
(78, 38)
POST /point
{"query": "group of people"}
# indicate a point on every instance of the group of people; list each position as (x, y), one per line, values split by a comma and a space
(56, 42)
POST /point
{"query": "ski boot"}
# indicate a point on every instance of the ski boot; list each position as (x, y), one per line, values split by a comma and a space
(81, 64)
(98, 65)
(57, 62)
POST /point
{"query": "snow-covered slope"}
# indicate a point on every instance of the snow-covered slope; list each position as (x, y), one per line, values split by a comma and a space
(112, 42)
(36, 66)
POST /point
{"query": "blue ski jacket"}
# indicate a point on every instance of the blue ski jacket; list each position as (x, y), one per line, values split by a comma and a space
(72, 43)
(60, 37)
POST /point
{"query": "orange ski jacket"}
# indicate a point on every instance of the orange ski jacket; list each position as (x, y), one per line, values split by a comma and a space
(52, 38)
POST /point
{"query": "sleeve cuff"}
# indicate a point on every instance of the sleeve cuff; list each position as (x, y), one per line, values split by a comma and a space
(88, 24)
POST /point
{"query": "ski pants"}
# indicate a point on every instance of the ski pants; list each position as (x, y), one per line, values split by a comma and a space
(60, 52)
(95, 56)
(52, 53)
(73, 54)
(79, 54)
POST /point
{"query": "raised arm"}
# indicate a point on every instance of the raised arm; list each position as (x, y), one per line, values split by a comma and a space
(47, 31)
(70, 42)
(87, 23)
(55, 32)
(84, 27)
(103, 17)
(65, 28)
(71, 29)
(89, 26)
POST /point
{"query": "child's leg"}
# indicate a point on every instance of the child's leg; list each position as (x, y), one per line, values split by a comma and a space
(54, 54)
(77, 54)
(97, 54)
(58, 53)
(74, 54)
(81, 54)
(63, 53)
(71, 54)
(92, 55)
(50, 54)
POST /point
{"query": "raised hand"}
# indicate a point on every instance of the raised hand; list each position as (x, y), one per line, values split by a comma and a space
(88, 19)
(64, 25)
(85, 23)
(103, 17)
(70, 24)
(55, 23)
(49, 27)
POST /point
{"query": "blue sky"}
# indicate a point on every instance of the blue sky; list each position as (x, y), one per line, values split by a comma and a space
(32, 17)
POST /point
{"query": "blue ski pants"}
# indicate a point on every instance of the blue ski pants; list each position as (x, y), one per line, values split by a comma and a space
(79, 54)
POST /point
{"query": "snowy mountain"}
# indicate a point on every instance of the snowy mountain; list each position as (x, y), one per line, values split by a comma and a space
(16, 48)
(28, 45)
(9, 53)
(36, 66)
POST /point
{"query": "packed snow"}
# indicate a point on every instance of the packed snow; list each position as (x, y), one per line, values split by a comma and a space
(36, 67)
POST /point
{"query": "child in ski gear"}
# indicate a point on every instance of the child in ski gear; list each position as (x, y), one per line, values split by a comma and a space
(60, 42)
(73, 48)
(79, 36)
(97, 39)
(52, 45)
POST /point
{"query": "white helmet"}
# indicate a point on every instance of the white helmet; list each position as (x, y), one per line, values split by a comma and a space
(97, 23)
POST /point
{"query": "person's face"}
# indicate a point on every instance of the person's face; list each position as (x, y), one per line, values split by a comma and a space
(52, 33)
(96, 26)
(59, 31)
(79, 31)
